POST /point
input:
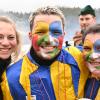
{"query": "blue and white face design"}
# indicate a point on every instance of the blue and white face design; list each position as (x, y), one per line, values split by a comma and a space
(96, 46)
(95, 55)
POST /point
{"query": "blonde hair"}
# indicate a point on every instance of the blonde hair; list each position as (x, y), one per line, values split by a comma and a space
(16, 51)
(46, 11)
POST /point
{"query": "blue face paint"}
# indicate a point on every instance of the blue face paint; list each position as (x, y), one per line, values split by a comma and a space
(55, 29)
(96, 46)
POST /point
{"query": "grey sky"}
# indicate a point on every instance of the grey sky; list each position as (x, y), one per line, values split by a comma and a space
(30, 5)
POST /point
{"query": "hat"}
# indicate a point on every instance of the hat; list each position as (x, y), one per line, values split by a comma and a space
(87, 10)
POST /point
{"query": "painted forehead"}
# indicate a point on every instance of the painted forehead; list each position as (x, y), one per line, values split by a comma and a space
(42, 25)
(87, 42)
(95, 45)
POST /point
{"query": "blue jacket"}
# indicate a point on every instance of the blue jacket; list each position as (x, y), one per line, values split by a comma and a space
(64, 79)
(92, 88)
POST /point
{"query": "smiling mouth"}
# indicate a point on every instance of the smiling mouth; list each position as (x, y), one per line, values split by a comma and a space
(95, 63)
(48, 49)
(4, 50)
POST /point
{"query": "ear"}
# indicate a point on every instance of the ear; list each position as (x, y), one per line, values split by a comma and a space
(30, 35)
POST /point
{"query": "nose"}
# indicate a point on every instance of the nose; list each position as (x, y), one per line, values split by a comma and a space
(84, 21)
(5, 41)
(95, 55)
(47, 39)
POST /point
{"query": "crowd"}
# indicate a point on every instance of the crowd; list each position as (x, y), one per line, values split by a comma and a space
(48, 71)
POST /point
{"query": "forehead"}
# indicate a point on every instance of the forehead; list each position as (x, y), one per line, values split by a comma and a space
(86, 16)
(6, 28)
(92, 37)
(6, 25)
(47, 18)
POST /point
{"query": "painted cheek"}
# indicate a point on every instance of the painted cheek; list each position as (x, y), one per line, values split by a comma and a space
(34, 42)
(60, 38)
(42, 39)
(88, 56)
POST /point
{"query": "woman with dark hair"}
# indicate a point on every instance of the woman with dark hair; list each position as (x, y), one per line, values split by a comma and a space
(91, 51)
(9, 46)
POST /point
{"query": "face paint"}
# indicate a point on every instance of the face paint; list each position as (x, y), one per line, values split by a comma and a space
(87, 48)
(55, 29)
(92, 54)
(88, 57)
(56, 32)
(40, 29)
(34, 42)
(47, 39)
(97, 46)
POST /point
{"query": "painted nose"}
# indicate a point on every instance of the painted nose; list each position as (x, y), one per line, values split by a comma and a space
(46, 38)
(49, 40)
(95, 55)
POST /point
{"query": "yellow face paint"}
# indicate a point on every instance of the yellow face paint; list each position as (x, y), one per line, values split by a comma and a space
(87, 47)
(41, 28)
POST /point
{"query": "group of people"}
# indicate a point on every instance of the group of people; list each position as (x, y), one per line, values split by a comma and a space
(48, 71)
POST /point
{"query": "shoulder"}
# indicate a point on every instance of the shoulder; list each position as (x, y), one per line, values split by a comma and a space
(73, 50)
(76, 53)
(14, 70)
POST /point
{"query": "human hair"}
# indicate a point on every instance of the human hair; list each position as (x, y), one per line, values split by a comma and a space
(94, 29)
(16, 51)
(46, 11)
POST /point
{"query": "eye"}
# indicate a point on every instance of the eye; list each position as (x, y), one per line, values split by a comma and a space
(11, 37)
(87, 18)
(40, 32)
(1, 37)
(97, 48)
(81, 19)
(56, 33)
(86, 48)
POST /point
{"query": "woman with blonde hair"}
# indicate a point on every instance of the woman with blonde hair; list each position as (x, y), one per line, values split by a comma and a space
(9, 46)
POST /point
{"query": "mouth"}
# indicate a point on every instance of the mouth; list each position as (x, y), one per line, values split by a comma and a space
(96, 63)
(48, 49)
(4, 50)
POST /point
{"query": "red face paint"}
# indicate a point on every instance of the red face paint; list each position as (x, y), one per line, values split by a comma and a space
(34, 42)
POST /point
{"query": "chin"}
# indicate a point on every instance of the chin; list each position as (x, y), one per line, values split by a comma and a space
(46, 58)
(4, 57)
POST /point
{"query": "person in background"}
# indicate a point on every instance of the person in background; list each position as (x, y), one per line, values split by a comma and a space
(9, 46)
(67, 44)
(87, 18)
(47, 71)
(91, 52)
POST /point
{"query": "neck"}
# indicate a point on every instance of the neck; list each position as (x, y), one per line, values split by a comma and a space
(3, 64)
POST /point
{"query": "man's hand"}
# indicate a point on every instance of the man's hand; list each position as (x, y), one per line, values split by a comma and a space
(77, 38)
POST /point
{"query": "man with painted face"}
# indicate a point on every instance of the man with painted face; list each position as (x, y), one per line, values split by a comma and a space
(87, 18)
(47, 72)
(91, 51)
